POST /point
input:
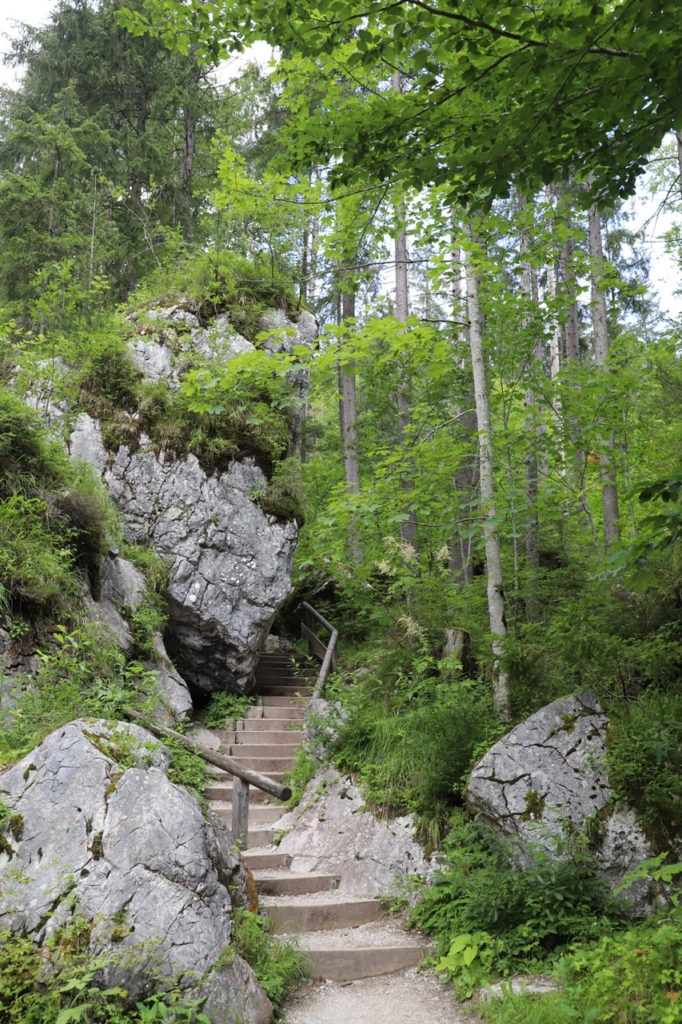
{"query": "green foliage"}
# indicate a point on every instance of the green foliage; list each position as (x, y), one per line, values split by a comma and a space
(186, 769)
(223, 707)
(277, 963)
(514, 909)
(644, 761)
(412, 728)
(632, 977)
(82, 674)
(283, 496)
(305, 766)
(58, 983)
(54, 516)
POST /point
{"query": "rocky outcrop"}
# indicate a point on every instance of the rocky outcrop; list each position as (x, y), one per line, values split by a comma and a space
(546, 779)
(332, 832)
(122, 587)
(97, 831)
(230, 563)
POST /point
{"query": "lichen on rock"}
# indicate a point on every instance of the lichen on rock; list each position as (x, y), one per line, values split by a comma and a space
(106, 836)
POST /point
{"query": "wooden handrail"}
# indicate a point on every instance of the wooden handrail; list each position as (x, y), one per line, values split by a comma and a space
(242, 777)
(316, 645)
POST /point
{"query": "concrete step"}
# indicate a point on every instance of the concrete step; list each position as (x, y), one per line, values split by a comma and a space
(304, 914)
(263, 737)
(288, 691)
(348, 954)
(257, 837)
(285, 883)
(286, 675)
(225, 779)
(267, 765)
(222, 793)
(293, 709)
(278, 706)
(292, 726)
(259, 814)
(241, 750)
(262, 860)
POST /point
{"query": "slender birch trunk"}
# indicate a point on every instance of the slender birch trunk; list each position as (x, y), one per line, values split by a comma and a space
(529, 289)
(601, 348)
(466, 478)
(408, 527)
(348, 424)
(498, 626)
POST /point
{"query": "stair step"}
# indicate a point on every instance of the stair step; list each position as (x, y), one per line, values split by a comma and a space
(263, 860)
(225, 779)
(362, 952)
(292, 726)
(283, 677)
(259, 814)
(241, 750)
(290, 702)
(221, 792)
(267, 765)
(275, 690)
(286, 883)
(260, 737)
(262, 836)
(303, 914)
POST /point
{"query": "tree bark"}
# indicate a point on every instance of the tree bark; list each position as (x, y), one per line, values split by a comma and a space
(600, 331)
(348, 425)
(408, 527)
(495, 590)
(529, 289)
(460, 561)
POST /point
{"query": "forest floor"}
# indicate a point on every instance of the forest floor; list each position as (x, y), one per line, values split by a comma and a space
(406, 997)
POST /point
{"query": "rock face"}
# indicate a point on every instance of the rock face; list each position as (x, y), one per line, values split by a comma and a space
(547, 776)
(230, 563)
(123, 586)
(97, 830)
(335, 834)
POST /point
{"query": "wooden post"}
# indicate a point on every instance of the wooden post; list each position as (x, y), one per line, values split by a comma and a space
(240, 812)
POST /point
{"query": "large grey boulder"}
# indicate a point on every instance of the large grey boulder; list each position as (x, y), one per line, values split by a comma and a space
(332, 831)
(230, 562)
(123, 587)
(547, 779)
(96, 829)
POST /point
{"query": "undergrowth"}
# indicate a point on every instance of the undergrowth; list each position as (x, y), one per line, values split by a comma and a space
(60, 983)
(277, 963)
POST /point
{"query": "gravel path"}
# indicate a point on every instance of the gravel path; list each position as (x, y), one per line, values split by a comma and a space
(408, 997)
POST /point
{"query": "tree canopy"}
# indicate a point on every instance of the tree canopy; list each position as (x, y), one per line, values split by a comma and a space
(492, 93)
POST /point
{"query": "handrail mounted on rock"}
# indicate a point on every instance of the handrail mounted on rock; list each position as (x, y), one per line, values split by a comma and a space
(325, 652)
(243, 777)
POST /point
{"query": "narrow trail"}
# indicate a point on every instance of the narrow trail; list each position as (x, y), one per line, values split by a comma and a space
(363, 962)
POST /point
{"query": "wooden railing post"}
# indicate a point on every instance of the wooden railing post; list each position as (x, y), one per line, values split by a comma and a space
(240, 812)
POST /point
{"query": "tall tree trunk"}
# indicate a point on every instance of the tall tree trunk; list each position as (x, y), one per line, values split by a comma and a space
(348, 424)
(466, 476)
(529, 289)
(495, 590)
(408, 527)
(600, 331)
(678, 140)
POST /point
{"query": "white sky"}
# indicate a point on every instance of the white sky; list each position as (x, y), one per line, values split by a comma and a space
(665, 275)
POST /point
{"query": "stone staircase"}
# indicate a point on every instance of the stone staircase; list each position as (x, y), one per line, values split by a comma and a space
(346, 937)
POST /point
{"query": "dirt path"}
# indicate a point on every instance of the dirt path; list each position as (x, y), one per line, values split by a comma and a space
(408, 997)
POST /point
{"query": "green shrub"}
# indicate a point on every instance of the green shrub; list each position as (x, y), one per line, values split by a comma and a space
(278, 964)
(223, 707)
(283, 497)
(187, 769)
(300, 775)
(36, 563)
(634, 977)
(84, 674)
(528, 908)
(58, 984)
(644, 759)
